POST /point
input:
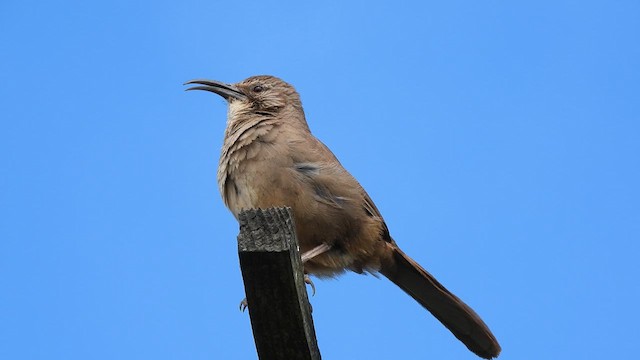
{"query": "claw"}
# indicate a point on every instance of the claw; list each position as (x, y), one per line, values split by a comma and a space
(244, 305)
(307, 280)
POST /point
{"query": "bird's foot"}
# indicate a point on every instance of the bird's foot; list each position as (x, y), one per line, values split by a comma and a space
(244, 305)
(307, 280)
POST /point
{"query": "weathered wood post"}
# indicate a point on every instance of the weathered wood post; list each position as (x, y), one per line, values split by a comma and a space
(273, 279)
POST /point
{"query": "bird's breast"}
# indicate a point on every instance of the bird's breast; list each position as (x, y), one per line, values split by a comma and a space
(253, 174)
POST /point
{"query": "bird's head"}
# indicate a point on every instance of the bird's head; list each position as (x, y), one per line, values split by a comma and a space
(257, 96)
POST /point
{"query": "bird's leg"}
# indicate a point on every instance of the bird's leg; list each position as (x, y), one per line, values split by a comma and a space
(308, 255)
(318, 250)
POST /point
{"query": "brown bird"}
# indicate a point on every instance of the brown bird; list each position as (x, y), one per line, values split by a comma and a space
(270, 159)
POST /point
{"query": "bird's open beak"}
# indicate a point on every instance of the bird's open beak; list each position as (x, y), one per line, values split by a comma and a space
(227, 91)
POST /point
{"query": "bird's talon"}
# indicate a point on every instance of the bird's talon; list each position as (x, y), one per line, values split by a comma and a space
(244, 305)
(307, 280)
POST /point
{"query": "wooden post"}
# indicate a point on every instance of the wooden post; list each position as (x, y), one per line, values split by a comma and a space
(273, 279)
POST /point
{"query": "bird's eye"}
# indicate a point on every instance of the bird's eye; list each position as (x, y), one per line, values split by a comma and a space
(257, 88)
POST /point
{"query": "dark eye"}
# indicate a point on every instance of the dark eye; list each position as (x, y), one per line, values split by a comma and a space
(257, 88)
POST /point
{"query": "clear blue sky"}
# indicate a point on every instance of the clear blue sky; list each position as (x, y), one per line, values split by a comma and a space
(500, 141)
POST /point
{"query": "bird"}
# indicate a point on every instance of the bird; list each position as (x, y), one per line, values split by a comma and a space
(270, 158)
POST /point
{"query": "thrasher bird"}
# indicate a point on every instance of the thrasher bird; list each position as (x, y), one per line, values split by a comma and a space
(270, 159)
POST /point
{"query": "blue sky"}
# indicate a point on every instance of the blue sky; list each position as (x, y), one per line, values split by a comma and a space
(501, 142)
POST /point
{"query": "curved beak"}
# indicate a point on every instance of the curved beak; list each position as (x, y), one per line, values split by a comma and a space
(227, 91)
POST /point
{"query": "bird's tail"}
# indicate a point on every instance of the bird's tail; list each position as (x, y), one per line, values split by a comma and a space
(457, 316)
